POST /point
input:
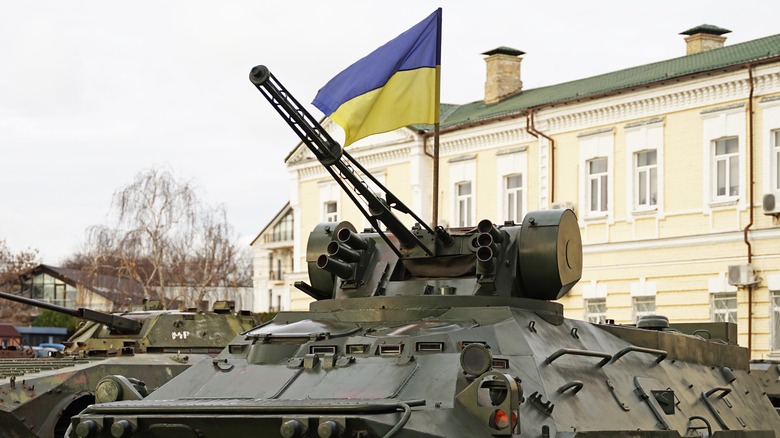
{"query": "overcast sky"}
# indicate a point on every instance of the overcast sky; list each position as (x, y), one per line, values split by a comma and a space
(94, 92)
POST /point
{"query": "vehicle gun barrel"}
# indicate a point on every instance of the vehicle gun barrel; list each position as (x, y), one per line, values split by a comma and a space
(337, 161)
(116, 322)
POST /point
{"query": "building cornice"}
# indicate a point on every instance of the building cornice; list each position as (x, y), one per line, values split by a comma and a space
(658, 102)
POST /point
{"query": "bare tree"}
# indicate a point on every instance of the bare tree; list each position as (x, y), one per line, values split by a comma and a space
(164, 238)
(13, 269)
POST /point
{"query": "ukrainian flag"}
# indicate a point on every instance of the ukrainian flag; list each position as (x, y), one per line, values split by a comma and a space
(395, 85)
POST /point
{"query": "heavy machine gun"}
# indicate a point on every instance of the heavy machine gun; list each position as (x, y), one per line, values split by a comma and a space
(444, 333)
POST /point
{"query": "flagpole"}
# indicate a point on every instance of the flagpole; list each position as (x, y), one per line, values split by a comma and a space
(435, 216)
(437, 115)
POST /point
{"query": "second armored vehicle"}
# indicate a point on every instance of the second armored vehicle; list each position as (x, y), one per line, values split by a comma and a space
(38, 396)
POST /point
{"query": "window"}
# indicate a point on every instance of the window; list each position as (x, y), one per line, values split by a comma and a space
(776, 160)
(513, 198)
(726, 168)
(646, 179)
(597, 185)
(330, 212)
(775, 320)
(643, 306)
(724, 307)
(283, 230)
(596, 310)
(463, 204)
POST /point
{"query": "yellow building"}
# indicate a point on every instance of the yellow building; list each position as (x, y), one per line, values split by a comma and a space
(672, 169)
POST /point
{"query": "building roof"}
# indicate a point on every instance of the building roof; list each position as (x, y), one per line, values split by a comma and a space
(8, 331)
(112, 288)
(754, 51)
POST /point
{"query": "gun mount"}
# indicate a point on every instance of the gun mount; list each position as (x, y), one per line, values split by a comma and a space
(117, 323)
(542, 259)
(445, 333)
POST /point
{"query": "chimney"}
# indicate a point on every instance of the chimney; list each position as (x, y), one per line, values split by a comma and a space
(704, 37)
(503, 73)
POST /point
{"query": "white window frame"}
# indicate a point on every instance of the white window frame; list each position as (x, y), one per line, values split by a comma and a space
(775, 160)
(730, 162)
(463, 202)
(644, 299)
(462, 170)
(718, 310)
(510, 162)
(644, 137)
(774, 308)
(648, 173)
(600, 181)
(642, 291)
(599, 317)
(513, 199)
(595, 145)
(717, 124)
(770, 119)
(327, 214)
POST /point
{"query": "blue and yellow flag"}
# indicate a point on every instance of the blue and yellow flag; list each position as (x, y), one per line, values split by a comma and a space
(395, 85)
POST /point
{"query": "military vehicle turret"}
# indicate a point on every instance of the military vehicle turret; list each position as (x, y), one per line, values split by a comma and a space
(449, 333)
(146, 344)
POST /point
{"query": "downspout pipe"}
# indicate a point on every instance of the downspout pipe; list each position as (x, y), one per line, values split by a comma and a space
(531, 129)
(751, 194)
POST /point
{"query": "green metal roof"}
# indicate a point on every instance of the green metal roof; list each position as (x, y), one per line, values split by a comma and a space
(715, 59)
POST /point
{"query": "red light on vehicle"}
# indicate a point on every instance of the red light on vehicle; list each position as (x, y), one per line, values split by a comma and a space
(501, 419)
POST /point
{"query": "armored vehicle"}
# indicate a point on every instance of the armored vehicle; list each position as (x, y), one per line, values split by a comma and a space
(147, 344)
(420, 332)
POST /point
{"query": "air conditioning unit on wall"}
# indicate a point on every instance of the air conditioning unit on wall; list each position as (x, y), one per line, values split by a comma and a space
(771, 204)
(742, 275)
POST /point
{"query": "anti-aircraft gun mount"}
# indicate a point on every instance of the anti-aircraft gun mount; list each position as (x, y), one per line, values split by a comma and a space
(430, 332)
(145, 346)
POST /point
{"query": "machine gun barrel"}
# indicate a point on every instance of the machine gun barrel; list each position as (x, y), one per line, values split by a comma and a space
(116, 322)
(330, 153)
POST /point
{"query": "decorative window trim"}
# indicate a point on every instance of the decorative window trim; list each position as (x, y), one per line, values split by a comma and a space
(770, 120)
(593, 145)
(506, 165)
(462, 171)
(643, 288)
(729, 121)
(642, 136)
